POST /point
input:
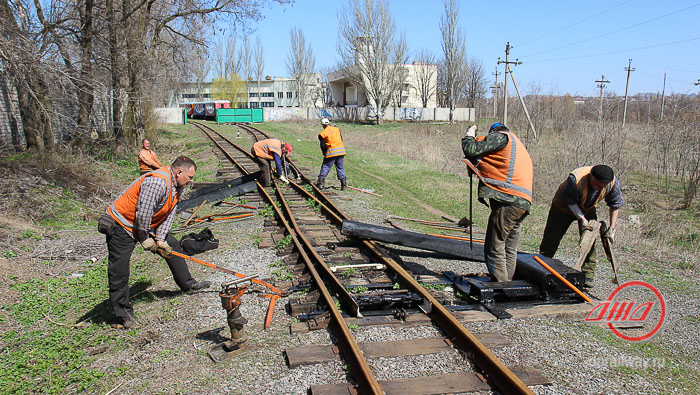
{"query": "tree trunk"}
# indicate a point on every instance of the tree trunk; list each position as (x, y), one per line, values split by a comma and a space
(85, 92)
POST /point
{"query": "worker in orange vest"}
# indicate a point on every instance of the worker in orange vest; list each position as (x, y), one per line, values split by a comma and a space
(504, 169)
(333, 154)
(576, 199)
(266, 150)
(148, 161)
(144, 213)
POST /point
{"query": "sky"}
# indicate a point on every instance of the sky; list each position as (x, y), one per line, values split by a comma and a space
(564, 46)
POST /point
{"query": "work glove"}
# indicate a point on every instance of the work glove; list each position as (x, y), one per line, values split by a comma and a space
(610, 234)
(284, 179)
(149, 245)
(585, 224)
(164, 250)
(471, 132)
(464, 222)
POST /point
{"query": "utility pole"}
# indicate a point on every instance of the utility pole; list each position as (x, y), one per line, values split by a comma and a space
(663, 98)
(494, 90)
(601, 85)
(505, 84)
(629, 70)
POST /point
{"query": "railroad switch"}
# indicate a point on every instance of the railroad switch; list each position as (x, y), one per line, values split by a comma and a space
(231, 293)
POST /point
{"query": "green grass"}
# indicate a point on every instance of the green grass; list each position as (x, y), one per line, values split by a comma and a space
(45, 357)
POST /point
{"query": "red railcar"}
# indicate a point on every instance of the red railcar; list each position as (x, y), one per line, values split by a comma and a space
(204, 109)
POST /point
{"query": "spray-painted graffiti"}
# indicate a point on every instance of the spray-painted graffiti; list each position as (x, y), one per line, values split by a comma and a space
(322, 113)
(410, 114)
(372, 113)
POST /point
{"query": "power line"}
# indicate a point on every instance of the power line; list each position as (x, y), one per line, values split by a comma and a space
(571, 25)
(614, 52)
(614, 31)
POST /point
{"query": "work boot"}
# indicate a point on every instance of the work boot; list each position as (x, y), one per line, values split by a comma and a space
(197, 286)
(128, 322)
(321, 182)
(343, 183)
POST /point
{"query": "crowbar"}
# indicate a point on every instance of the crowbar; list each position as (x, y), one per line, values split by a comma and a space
(607, 246)
(362, 190)
(456, 238)
(236, 204)
(193, 214)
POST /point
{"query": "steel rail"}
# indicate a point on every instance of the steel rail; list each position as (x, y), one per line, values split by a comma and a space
(497, 373)
(353, 354)
(347, 301)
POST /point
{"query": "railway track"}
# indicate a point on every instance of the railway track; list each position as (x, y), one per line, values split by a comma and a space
(346, 279)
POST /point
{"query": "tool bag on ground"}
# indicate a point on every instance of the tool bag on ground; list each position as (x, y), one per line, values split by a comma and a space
(197, 243)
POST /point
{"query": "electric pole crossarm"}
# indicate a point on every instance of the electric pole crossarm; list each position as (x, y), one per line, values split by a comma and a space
(505, 84)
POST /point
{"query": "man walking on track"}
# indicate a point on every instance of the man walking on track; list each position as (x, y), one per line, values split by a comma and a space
(266, 150)
(333, 154)
(504, 168)
(144, 213)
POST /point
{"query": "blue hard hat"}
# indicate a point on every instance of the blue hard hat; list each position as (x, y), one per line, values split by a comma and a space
(495, 125)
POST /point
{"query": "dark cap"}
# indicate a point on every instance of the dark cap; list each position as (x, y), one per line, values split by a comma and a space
(603, 173)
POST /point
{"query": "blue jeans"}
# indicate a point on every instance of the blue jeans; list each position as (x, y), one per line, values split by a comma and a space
(328, 164)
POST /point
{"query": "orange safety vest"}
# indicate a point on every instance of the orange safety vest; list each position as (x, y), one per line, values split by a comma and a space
(333, 140)
(582, 181)
(508, 170)
(123, 210)
(146, 155)
(265, 148)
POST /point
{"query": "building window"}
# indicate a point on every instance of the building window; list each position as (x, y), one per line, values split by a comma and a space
(253, 94)
(280, 95)
(296, 95)
(289, 95)
(253, 105)
(268, 94)
(268, 104)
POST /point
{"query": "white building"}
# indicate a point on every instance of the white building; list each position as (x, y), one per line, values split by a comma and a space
(346, 94)
(267, 93)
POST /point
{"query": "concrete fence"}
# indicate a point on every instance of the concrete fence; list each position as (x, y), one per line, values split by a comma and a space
(346, 114)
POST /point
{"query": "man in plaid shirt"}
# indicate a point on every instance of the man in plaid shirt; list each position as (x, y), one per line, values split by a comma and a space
(144, 213)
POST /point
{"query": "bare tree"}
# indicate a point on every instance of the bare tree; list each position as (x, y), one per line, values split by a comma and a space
(372, 56)
(301, 64)
(244, 55)
(475, 87)
(426, 76)
(227, 60)
(259, 64)
(200, 72)
(455, 54)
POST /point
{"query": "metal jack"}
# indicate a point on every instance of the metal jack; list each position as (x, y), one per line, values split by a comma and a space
(231, 293)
